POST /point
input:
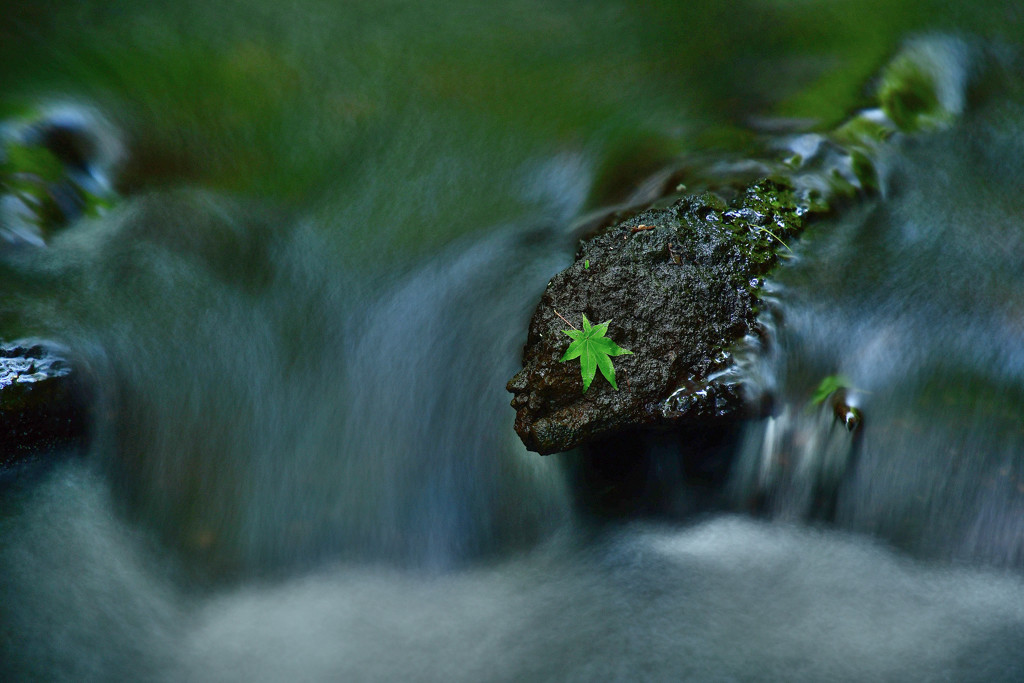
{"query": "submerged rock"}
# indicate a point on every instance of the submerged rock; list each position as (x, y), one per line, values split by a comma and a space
(680, 286)
(41, 402)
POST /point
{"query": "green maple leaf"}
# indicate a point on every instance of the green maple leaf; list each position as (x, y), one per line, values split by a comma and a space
(594, 351)
(829, 386)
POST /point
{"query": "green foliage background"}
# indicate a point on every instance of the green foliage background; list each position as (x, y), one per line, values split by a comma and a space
(288, 102)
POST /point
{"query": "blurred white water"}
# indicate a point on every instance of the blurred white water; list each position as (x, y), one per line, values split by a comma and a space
(726, 599)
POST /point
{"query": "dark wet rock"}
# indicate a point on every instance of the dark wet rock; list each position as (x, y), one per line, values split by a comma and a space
(41, 402)
(680, 286)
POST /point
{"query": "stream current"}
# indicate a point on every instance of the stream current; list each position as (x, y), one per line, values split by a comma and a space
(301, 464)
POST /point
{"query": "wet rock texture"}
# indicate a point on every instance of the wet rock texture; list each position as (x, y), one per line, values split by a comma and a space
(41, 404)
(680, 286)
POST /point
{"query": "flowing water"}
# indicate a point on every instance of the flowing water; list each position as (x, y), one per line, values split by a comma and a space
(297, 320)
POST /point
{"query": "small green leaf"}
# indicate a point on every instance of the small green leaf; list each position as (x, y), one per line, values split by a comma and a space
(593, 349)
(586, 264)
(828, 386)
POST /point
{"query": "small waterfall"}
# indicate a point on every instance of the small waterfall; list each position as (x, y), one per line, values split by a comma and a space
(909, 304)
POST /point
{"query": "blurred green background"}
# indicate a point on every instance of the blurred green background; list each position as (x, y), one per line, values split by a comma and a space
(425, 116)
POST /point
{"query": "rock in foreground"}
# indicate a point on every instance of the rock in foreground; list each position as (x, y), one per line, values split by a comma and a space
(680, 286)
